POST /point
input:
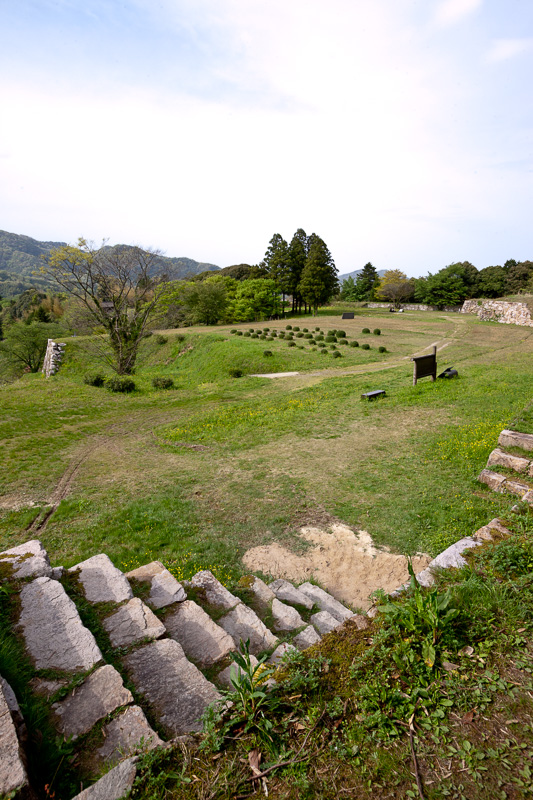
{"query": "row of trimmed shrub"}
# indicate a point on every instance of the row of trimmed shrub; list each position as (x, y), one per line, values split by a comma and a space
(123, 383)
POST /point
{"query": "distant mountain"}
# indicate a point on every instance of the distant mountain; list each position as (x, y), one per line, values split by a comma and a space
(20, 257)
(355, 273)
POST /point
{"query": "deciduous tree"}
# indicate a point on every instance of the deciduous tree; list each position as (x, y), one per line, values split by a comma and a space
(395, 287)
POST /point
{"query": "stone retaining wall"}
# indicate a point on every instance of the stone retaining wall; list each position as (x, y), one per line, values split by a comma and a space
(414, 307)
(53, 357)
(499, 311)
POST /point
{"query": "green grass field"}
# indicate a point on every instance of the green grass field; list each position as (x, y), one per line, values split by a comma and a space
(198, 474)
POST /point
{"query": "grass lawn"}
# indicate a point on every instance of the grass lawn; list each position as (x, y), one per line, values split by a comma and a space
(197, 474)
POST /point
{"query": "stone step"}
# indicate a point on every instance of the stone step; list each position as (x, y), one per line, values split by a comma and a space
(324, 622)
(485, 533)
(243, 624)
(132, 623)
(224, 678)
(286, 618)
(212, 591)
(516, 439)
(114, 785)
(127, 734)
(288, 593)
(174, 689)
(449, 558)
(499, 483)
(28, 560)
(101, 581)
(203, 641)
(101, 693)
(498, 458)
(307, 638)
(164, 588)
(263, 594)
(326, 602)
(13, 775)
(54, 634)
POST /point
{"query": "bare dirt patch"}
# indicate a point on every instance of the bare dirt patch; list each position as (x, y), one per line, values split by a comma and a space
(345, 562)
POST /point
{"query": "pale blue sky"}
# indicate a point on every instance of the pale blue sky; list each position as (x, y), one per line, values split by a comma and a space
(399, 130)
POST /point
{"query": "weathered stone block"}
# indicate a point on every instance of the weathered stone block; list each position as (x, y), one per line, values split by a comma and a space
(326, 602)
(53, 631)
(13, 776)
(449, 558)
(215, 593)
(286, 618)
(500, 459)
(175, 689)
(516, 439)
(28, 560)
(164, 588)
(242, 624)
(514, 487)
(306, 638)
(493, 480)
(126, 735)
(203, 641)
(101, 581)
(114, 785)
(132, 623)
(261, 591)
(324, 622)
(100, 694)
(290, 594)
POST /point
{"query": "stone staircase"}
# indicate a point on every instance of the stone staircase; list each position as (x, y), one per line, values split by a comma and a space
(521, 464)
(163, 638)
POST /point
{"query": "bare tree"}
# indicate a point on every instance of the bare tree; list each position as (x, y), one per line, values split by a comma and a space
(119, 286)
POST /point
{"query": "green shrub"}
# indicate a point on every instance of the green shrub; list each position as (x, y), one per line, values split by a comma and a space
(330, 339)
(262, 336)
(291, 344)
(333, 332)
(274, 334)
(296, 328)
(336, 354)
(288, 327)
(299, 335)
(313, 349)
(366, 330)
(354, 344)
(267, 353)
(239, 333)
(305, 330)
(365, 347)
(341, 334)
(233, 330)
(317, 329)
(94, 379)
(382, 349)
(324, 352)
(308, 336)
(377, 331)
(180, 337)
(343, 341)
(236, 373)
(162, 383)
(160, 339)
(254, 336)
(246, 333)
(120, 383)
(320, 337)
(333, 347)
(251, 330)
(266, 330)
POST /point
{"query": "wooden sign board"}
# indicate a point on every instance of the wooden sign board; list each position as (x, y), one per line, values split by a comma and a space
(348, 315)
(425, 366)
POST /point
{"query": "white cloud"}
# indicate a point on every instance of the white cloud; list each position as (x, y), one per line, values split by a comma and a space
(505, 49)
(451, 11)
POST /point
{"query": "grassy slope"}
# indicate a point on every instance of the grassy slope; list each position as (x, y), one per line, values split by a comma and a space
(273, 452)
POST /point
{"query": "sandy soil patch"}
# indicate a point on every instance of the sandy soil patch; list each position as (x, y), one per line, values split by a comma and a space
(345, 562)
(15, 503)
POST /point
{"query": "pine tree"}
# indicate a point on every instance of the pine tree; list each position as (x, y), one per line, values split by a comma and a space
(319, 276)
(298, 250)
(366, 282)
(276, 264)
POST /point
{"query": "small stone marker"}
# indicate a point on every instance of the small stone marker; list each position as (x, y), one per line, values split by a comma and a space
(100, 694)
(28, 560)
(324, 622)
(127, 734)
(290, 594)
(242, 623)
(13, 777)
(326, 602)
(164, 588)
(203, 641)
(175, 689)
(101, 581)
(53, 631)
(133, 623)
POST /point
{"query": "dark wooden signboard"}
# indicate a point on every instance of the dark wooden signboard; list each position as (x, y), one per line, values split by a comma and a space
(348, 315)
(425, 366)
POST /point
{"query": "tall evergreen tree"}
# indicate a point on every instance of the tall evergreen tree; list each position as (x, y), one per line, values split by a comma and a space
(366, 282)
(298, 250)
(276, 264)
(319, 276)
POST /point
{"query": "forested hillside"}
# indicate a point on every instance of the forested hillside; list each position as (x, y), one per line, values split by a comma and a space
(20, 259)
